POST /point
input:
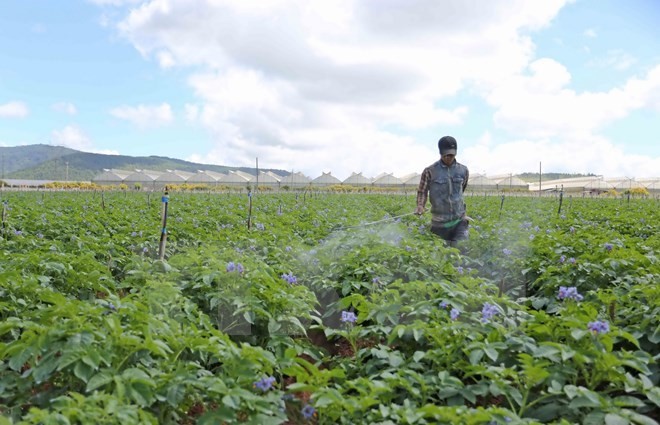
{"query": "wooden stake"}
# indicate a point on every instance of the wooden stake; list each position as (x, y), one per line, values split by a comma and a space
(163, 235)
(4, 218)
(249, 220)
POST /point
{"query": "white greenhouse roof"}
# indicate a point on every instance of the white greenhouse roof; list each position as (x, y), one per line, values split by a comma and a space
(387, 179)
(238, 177)
(143, 176)
(357, 179)
(326, 178)
(174, 176)
(112, 175)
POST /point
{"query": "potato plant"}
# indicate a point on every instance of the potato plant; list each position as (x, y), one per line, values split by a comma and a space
(329, 309)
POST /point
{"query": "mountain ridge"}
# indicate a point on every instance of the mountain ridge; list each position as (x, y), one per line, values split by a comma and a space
(47, 162)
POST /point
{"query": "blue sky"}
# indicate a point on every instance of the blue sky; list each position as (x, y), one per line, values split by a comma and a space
(343, 86)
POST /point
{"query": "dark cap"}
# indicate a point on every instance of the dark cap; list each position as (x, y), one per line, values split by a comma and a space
(447, 145)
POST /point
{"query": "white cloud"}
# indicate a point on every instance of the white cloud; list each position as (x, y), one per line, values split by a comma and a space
(14, 110)
(72, 136)
(616, 59)
(145, 116)
(65, 108)
(321, 86)
(581, 155)
(321, 83)
(191, 112)
(540, 104)
(115, 2)
(590, 32)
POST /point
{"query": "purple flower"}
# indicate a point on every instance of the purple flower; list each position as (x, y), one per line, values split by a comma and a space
(265, 384)
(571, 229)
(569, 293)
(287, 249)
(348, 317)
(571, 260)
(608, 246)
(308, 412)
(459, 269)
(260, 226)
(290, 278)
(454, 313)
(375, 281)
(487, 312)
(18, 232)
(562, 258)
(134, 234)
(444, 304)
(599, 327)
(531, 237)
(237, 267)
(507, 252)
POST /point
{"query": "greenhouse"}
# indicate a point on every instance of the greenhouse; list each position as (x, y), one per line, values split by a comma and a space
(172, 177)
(481, 182)
(576, 184)
(411, 180)
(238, 178)
(357, 179)
(651, 184)
(208, 178)
(145, 179)
(111, 177)
(267, 178)
(621, 184)
(387, 179)
(510, 182)
(295, 180)
(326, 179)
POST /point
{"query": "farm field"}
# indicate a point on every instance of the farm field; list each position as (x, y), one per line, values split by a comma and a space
(329, 309)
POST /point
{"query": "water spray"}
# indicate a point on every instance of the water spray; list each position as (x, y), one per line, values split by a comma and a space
(374, 222)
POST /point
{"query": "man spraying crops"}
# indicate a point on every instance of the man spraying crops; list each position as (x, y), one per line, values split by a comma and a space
(443, 183)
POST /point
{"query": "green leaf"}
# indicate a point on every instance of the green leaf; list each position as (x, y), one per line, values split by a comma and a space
(654, 395)
(491, 353)
(578, 334)
(613, 419)
(99, 380)
(571, 391)
(83, 371)
(628, 401)
(217, 416)
(230, 402)
(582, 401)
(419, 355)
(476, 356)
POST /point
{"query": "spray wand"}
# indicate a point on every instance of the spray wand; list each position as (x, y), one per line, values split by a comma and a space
(374, 222)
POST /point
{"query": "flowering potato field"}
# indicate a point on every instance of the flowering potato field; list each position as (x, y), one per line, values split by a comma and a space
(328, 309)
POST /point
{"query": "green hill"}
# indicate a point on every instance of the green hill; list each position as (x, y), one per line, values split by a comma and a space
(45, 162)
(534, 177)
(16, 158)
